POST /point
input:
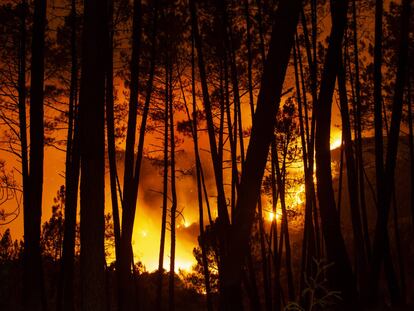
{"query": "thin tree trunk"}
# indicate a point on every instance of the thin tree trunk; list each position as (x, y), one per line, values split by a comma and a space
(359, 247)
(128, 207)
(223, 220)
(249, 56)
(276, 254)
(285, 228)
(130, 193)
(379, 247)
(341, 275)
(65, 299)
(263, 251)
(33, 287)
(359, 151)
(202, 240)
(173, 209)
(110, 128)
(313, 66)
(221, 199)
(92, 146)
(308, 233)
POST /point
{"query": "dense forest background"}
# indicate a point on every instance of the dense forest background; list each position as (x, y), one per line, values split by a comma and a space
(203, 155)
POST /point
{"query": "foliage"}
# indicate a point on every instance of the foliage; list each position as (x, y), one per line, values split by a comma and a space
(317, 294)
(52, 230)
(9, 250)
(9, 190)
(195, 278)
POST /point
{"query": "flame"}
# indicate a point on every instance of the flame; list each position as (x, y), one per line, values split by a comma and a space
(336, 142)
(299, 194)
(271, 216)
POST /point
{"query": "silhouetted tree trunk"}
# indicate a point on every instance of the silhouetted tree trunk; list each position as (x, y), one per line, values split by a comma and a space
(379, 248)
(164, 197)
(249, 55)
(341, 275)
(358, 143)
(308, 246)
(129, 200)
(313, 66)
(65, 299)
(359, 248)
(92, 144)
(33, 287)
(132, 170)
(276, 254)
(173, 209)
(110, 131)
(281, 182)
(223, 220)
(221, 199)
(202, 239)
(261, 136)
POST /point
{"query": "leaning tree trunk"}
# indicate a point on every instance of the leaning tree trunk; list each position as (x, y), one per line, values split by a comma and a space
(66, 287)
(110, 130)
(92, 144)
(125, 287)
(261, 137)
(340, 275)
(379, 248)
(33, 287)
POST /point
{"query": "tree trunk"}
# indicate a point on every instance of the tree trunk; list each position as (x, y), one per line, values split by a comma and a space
(164, 198)
(359, 248)
(379, 247)
(92, 144)
(132, 172)
(110, 130)
(125, 284)
(221, 199)
(261, 136)
(202, 240)
(341, 275)
(66, 290)
(174, 203)
(33, 287)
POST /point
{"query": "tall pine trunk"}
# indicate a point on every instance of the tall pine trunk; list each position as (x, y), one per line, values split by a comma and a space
(33, 287)
(65, 299)
(92, 144)
(125, 285)
(110, 132)
(173, 210)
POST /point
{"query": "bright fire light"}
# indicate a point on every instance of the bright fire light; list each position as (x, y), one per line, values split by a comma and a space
(336, 142)
(272, 216)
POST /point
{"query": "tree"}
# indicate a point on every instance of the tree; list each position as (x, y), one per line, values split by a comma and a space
(66, 287)
(284, 28)
(381, 231)
(341, 275)
(92, 146)
(33, 288)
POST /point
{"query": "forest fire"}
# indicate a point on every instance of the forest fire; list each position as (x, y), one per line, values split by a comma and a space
(206, 155)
